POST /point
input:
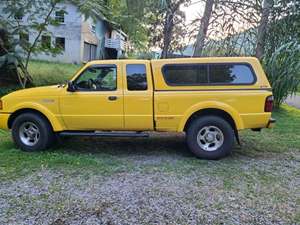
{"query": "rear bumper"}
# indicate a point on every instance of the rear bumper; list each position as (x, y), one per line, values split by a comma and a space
(4, 120)
(271, 123)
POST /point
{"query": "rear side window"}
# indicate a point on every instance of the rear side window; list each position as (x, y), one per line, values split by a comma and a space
(230, 74)
(136, 77)
(185, 74)
(208, 74)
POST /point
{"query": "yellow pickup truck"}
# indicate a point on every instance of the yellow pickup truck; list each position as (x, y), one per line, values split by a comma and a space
(210, 99)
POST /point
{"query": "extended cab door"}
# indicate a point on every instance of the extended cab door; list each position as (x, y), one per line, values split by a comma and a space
(97, 103)
(138, 95)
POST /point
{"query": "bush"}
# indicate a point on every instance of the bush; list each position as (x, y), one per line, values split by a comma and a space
(283, 71)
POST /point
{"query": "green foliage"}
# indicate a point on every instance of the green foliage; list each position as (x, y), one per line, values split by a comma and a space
(144, 22)
(12, 70)
(283, 70)
(147, 55)
(94, 8)
(132, 17)
(284, 25)
(167, 27)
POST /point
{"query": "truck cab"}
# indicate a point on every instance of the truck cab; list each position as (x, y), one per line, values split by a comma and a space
(110, 95)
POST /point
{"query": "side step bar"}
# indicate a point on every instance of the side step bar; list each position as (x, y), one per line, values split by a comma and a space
(103, 134)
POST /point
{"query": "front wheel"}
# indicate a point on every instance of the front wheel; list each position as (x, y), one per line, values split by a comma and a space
(210, 137)
(32, 132)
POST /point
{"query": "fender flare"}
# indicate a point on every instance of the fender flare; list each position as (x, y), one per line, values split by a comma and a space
(211, 105)
(56, 124)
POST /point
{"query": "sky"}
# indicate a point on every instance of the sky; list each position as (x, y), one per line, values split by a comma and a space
(194, 10)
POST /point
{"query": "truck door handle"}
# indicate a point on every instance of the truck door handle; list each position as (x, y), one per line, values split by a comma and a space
(112, 98)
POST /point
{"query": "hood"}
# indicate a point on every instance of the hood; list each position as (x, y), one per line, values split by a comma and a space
(48, 91)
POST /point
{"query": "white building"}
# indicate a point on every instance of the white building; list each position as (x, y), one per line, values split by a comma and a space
(81, 39)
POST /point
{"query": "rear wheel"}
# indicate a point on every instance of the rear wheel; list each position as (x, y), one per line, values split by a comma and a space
(210, 137)
(32, 132)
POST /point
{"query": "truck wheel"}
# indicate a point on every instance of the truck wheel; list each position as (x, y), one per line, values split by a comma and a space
(31, 132)
(210, 137)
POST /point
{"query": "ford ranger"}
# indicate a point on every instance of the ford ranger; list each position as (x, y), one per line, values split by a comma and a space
(210, 99)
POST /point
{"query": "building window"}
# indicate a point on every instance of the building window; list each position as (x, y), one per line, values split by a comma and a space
(19, 16)
(136, 77)
(60, 16)
(93, 28)
(46, 41)
(60, 43)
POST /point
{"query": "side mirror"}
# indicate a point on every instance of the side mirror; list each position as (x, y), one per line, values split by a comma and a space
(71, 86)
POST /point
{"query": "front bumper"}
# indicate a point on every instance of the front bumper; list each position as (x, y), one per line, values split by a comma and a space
(271, 123)
(4, 120)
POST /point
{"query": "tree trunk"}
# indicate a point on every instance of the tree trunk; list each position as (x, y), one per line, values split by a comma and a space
(168, 30)
(203, 28)
(44, 24)
(262, 29)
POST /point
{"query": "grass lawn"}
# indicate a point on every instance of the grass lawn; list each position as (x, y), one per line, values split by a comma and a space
(139, 181)
(47, 73)
(283, 139)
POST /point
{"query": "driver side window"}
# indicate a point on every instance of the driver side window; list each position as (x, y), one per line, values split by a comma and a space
(98, 78)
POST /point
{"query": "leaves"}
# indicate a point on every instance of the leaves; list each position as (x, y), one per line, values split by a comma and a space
(283, 70)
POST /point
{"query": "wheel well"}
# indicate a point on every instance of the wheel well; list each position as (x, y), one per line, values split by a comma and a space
(21, 111)
(209, 112)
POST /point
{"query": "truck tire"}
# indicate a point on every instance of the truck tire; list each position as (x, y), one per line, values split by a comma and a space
(210, 137)
(31, 132)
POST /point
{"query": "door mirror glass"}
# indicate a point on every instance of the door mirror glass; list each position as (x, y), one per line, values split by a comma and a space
(71, 86)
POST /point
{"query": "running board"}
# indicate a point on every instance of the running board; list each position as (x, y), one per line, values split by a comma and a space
(103, 134)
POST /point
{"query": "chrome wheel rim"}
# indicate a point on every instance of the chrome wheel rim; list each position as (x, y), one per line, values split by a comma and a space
(210, 138)
(29, 134)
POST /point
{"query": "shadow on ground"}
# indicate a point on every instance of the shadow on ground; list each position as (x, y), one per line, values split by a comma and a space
(169, 145)
(156, 144)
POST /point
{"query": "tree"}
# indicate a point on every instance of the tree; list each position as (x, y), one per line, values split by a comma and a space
(227, 27)
(283, 70)
(173, 16)
(38, 14)
(92, 8)
(167, 29)
(202, 33)
(284, 26)
(132, 16)
(282, 49)
(11, 67)
(262, 29)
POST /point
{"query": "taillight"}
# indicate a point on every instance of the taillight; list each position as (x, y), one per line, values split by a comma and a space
(1, 105)
(269, 104)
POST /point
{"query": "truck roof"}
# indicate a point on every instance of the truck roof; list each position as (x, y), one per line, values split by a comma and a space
(180, 60)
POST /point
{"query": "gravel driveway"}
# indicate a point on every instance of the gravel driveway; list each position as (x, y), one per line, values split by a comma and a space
(293, 101)
(159, 189)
